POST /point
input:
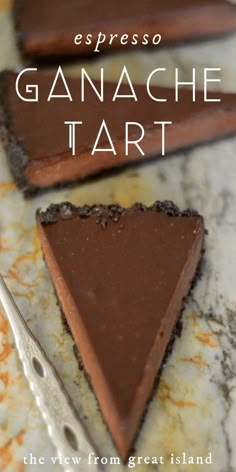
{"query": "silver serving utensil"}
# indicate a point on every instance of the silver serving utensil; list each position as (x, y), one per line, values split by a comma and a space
(65, 428)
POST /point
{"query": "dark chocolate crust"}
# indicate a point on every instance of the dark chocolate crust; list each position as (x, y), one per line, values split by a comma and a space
(107, 213)
(13, 146)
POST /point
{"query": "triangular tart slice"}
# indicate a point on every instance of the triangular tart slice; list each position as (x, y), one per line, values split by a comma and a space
(121, 276)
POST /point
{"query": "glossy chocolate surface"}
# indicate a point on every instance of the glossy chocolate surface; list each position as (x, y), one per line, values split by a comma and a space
(121, 277)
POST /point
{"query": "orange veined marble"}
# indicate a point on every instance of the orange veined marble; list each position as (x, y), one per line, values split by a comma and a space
(5, 349)
(5, 346)
(4, 325)
(195, 319)
(206, 338)
(5, 5)
(5, 245)
(28, 295)
(32, 256)
(164, 395)
(197, 360)
(21, 468)
(13, 273)
(6, 455)
(18, 268)
(4, 377)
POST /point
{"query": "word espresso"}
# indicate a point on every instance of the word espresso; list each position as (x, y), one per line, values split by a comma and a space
(102, 40)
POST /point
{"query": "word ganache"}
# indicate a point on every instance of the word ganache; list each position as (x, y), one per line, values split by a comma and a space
(28, 90)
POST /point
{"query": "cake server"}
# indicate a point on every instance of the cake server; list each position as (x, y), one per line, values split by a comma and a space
(67, 431)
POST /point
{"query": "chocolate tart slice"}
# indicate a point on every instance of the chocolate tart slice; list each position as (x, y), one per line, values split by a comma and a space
(48, 28)
(121, 276)
(37, 140)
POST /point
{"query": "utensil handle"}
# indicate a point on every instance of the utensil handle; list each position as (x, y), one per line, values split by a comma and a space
(65, 428)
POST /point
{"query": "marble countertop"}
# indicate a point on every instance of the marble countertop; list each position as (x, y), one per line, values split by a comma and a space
(194, 408)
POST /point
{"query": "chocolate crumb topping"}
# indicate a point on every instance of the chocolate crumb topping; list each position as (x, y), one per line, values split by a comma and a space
(106, 214)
